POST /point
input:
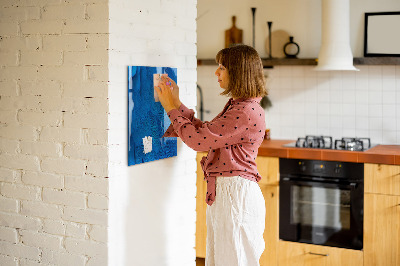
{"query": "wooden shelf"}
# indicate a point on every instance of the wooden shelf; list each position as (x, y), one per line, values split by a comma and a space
(269, 63)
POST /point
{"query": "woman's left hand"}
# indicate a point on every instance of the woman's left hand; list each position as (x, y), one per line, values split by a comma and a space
(165, 96)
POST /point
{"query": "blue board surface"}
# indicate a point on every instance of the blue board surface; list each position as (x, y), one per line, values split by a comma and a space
(147, 118)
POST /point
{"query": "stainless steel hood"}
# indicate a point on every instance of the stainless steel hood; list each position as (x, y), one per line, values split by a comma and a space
(335, 52)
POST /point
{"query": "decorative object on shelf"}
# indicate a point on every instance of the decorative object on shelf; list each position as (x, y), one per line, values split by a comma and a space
(380, 37)
(278, 39)
(233, 36)
(253, 10)
(291, 49)
(269, 38)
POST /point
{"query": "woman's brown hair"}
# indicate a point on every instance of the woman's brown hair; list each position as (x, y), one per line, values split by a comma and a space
(245, 69)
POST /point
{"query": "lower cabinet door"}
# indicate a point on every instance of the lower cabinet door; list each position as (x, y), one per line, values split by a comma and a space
(271, 237)
(299, 254)
(381, 230)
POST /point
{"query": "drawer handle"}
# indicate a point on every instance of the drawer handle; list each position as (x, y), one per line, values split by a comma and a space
(318, 254)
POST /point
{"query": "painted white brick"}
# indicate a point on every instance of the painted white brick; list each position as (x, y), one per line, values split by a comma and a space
(26, 262)
(20, 251)
(39, 88)
(8, 205)
(97, 11)
(18, 132)
(86, 89)
(85, 121)
(89, 216)
(85, 247)
(61, 104)
(63, 166)
(98, 73)
(62, 258)
(41, 148)
(40, 118)
(54, 227)
(7, 175)
(61, 73)
(22, 43)
(98, 261)
(9, 58)
(64, 42)
(97, 201)
(95, 136)
(97, 169)
(8, 88)
(19, 191)
(8, 146)
(76, 230)
(41, 27)
(20, 161)
(8, 117)
(19, 13)
(68, 12)
(96, 105)
(98, 233)
(8, 29)
(86, 26)
(28, 73)
(40, 209)
(58, 134)
(91, 57)
(20, 221)
(43, 179)
(88, 152)
(48, 58)
(69, 198)
(8, 260)
(8, 234)
(35, 239)
(98, 42)
(87, 184)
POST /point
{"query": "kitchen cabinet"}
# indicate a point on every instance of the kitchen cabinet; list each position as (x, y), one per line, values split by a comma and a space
(201, 205)
(382, 215)
(269, 170)
(300, 254)
(382, 179)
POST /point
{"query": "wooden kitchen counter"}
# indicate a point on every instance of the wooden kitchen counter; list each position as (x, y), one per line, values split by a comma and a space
(380, 154)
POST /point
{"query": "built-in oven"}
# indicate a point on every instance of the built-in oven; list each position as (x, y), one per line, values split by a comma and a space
(321, 202)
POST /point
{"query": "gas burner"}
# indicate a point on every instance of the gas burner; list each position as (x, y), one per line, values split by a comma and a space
(353, 144)
(322, 142)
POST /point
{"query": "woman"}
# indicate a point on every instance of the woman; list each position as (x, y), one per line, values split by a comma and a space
(236, 211)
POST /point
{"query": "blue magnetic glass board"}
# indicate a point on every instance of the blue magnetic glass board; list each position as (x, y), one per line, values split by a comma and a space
(147, 118)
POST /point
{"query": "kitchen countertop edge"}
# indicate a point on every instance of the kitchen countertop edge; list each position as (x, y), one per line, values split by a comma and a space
(379, 154)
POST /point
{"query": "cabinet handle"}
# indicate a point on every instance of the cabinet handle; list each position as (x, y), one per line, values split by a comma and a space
(318, 254)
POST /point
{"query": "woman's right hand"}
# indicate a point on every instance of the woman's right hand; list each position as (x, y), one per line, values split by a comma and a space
(175, 91)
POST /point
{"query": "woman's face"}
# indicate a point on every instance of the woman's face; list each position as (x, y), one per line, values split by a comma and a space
(223, 76)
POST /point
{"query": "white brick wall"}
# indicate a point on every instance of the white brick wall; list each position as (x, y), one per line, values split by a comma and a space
(53, 132)
(152, 205)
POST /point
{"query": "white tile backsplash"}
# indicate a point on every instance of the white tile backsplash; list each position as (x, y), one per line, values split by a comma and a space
(363, 103)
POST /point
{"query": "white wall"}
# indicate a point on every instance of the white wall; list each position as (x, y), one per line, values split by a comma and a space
(337, 103)
(53, 133)
(152, 205)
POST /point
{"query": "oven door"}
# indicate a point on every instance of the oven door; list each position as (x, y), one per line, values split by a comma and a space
(321, 212)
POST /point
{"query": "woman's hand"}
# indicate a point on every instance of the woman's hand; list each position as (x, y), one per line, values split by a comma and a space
(175, 91)
(165, 96)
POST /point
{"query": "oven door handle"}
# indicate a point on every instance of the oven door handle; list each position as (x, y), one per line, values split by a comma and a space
(319, 182)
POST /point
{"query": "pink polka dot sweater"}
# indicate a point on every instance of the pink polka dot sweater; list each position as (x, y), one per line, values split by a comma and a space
(232, 139)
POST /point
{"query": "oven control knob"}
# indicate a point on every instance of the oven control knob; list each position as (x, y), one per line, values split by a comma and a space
(338, 170)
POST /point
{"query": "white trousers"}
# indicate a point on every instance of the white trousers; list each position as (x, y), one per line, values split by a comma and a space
(235, 223)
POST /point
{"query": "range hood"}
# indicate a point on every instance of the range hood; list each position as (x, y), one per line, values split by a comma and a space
(335, 52)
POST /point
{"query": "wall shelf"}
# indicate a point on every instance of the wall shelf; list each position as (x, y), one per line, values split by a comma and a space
(269, 63)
